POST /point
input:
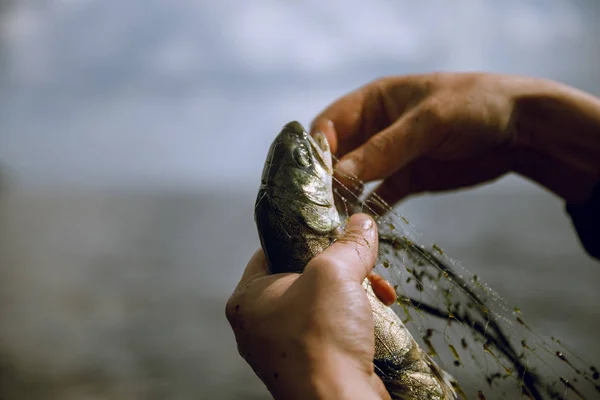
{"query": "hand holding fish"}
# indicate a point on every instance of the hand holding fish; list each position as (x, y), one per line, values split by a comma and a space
(287, 325)
(444, 131)
(304, 315)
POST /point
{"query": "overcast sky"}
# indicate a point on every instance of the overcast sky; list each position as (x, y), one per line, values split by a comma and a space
(185, 91)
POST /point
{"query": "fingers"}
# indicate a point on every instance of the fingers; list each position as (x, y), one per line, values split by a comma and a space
(393, 148)
(430, 175)
(326, 126)
(348, 185)
(345, 115)
(355, 117)
(256, 268)
(353, 255)
(382, 289)
(395, 188)
(363, 128)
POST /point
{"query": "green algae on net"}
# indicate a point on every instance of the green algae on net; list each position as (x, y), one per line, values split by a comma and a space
(461, 322)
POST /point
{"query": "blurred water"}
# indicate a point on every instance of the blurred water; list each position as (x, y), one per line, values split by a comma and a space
(132, 136)
(121, 294)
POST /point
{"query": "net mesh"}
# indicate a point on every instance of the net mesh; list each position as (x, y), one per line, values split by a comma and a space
(461, 322)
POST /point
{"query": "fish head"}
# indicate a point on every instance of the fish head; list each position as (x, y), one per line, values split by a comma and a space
(295, 203)
(299, 165)
(299, 173)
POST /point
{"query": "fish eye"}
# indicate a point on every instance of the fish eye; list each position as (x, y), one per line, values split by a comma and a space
(302, 157)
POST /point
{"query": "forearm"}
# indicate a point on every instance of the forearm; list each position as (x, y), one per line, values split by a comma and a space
(558, 137)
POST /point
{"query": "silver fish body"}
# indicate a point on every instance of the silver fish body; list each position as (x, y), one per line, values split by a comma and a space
(297, 219)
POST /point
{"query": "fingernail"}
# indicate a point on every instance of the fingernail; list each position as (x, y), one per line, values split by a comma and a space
(346, 166)
(361, 221)
(321, 125)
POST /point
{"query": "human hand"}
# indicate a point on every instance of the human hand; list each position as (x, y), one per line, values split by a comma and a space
(424, 132)
(311, 335)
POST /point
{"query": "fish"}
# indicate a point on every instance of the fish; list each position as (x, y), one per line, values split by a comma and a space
(296, 218)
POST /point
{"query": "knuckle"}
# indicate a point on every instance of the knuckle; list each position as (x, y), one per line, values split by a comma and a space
(232, 308)
(241, 350)
(357, 242)
(433, 112)
(379, 83)
(327, 269)
(323, 263)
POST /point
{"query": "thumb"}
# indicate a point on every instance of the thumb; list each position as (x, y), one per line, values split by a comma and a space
(354, 254)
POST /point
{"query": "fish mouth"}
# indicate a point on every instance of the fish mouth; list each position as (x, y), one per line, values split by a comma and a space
(320, 145)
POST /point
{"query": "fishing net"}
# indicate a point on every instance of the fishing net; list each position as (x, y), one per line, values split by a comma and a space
(487, 346)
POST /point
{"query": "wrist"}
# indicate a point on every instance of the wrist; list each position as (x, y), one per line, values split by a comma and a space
(557, 131)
